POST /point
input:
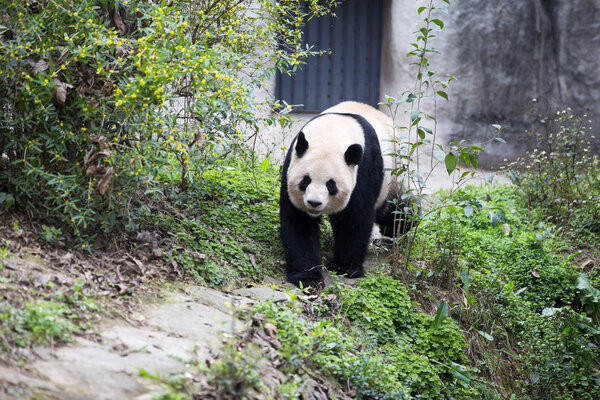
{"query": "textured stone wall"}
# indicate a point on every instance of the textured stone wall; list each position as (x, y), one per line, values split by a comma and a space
(503, 54)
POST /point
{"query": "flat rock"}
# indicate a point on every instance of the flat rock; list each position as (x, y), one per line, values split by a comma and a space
(180, 328)
(264, 293)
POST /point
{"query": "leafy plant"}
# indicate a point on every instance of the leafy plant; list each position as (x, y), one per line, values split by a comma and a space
(512, 280)
(39, 322)
(51, 235)
(424, 350)
(589, 298)
(101, 98)
(224, 230)
(417, 137)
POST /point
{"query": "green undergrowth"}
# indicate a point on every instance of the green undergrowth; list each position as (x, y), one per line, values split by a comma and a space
(530, 312)
(45, 313)
(341, 337)
(517, 317)
(225, 228)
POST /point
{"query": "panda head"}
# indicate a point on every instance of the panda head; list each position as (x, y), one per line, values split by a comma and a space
(324, 164)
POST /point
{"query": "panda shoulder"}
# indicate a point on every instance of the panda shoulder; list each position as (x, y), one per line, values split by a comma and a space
(380, 121)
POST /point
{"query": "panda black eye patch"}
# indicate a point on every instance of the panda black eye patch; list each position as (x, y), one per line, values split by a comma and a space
(304, 183)
(331, 187)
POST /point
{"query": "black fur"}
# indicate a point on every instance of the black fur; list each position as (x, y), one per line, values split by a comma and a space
(404, 219)
(301, 144)
(351, 227)
(353, 154)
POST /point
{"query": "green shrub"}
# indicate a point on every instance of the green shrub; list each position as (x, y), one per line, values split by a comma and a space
(561, 354)
(520, 295)
(515, 252)
(380, 305)
(328, 347)
(416, 372)
(101, 98)
(411, 340)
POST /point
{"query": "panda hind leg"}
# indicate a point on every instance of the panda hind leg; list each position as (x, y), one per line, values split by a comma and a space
(392, 224)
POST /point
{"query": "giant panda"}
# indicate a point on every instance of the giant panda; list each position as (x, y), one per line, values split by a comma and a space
(337, 165)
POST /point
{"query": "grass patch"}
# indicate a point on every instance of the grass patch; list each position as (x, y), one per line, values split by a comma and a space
(224, 231)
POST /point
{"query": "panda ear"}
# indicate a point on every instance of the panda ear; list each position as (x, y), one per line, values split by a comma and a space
(353, 154)
(301, 145)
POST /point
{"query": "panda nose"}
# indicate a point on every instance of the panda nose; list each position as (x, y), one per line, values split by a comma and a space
(315, 203)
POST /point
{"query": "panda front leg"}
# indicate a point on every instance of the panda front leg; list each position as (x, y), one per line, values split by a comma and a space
(351, 232)
(300, 238)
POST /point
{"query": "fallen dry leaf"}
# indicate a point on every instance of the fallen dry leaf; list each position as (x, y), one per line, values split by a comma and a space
(271, 330)
(59, 93)
(103, 183)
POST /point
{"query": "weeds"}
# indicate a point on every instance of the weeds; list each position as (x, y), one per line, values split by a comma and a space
(559, 179)
(507, 281)
(226, 229)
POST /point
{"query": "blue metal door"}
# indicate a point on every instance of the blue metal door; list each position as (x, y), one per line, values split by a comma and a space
(351, 71)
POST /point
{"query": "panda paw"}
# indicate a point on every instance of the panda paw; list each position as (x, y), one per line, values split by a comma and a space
(347, 270)
(305, 279)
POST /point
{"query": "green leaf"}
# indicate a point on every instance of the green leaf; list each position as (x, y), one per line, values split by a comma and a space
(264, 165)
(147, 374)
(438, 22)
(474, 160)
(501, 216)
(421, 9)
(443, 94)
(468, 210)
(439, 155)
(460, 373)
(534, 377)
(514, 177)
(465, 278)
(440, 315)
(590, 291)
(450, 162)
(550, 311)
(494, 219)
(414, 115)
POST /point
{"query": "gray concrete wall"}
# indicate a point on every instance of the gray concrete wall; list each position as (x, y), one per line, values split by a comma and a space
(503, 54)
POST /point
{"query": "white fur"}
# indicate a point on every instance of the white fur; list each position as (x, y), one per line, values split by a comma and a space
(328, 137)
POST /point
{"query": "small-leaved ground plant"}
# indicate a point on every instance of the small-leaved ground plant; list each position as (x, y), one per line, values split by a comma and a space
(384, 349)
(528, 311)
